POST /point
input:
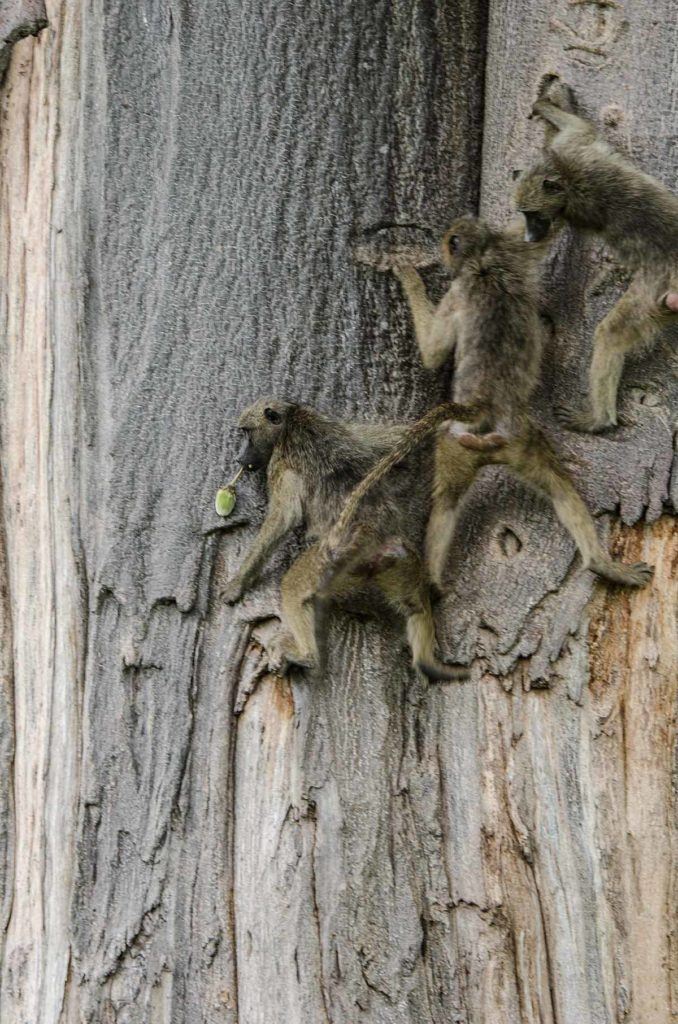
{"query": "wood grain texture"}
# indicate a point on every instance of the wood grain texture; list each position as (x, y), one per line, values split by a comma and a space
(184, 837)
(18, 19)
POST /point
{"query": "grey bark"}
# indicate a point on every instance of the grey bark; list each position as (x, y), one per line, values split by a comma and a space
(184, 837)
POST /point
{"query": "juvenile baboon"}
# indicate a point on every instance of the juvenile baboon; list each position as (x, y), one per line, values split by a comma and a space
(489, 318)
(529, 456)
(312, 463)
(584, 182)
(495, 282)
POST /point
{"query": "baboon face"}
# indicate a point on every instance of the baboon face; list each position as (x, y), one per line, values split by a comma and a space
(540, 197)
(262, 424)
(466, 237)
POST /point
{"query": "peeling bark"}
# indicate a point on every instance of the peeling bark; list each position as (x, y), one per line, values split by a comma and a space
(184, 837)
(18, 19)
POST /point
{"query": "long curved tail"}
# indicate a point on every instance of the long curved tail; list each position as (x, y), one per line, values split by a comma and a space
(417, 434)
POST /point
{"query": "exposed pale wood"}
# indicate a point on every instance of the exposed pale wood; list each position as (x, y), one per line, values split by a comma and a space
(183, 837)
(18, 18)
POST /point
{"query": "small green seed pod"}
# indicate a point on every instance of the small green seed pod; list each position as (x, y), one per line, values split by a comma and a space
(224, 501)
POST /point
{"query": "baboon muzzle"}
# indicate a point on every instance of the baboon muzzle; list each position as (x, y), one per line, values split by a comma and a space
(249, 458)
(536, 227)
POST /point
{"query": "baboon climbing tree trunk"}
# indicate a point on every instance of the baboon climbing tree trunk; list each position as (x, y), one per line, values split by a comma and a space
(184, 837)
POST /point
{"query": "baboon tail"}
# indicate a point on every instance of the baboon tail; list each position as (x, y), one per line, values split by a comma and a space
(439, 673)
(417, 434)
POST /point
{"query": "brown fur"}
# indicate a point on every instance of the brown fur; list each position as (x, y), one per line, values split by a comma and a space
(471, 316)
(528, 456)
(584, 182)
(339, 544)
(312, 464)
(489, 318)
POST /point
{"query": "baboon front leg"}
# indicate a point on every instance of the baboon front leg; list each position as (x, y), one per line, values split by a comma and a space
(405, 585)
(630, 326)
(421, 307)
(434, 338)
(284, 513)
(556, 485)
(296, 643)
(564, 128)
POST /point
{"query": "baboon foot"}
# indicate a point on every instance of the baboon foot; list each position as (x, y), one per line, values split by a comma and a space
(284, 654)
(637, 575)
(481, 442)
(583, 421)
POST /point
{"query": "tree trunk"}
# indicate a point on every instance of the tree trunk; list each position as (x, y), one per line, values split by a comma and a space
(183, 837)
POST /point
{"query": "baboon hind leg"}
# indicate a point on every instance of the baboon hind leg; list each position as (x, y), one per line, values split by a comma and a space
(455, 470)
(630, 326)
(405, 585)
(542, 474)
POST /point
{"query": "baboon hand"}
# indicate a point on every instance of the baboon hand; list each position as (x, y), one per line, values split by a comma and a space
(539, 108)
(396, 247)
(555, 92)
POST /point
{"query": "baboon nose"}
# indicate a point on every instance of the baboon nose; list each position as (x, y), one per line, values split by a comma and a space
(245, 457)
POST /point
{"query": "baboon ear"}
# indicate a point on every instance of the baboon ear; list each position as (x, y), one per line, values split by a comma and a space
(272, 416)
(552, 184)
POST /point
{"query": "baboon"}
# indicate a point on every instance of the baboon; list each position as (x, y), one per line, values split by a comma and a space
(489, 318)
(501, 257)
(584, 182)
(529, 456)
(312, 463)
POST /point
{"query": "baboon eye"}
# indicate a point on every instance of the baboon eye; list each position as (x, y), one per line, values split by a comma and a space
(551, 185)
(272, 416)
(454, 243)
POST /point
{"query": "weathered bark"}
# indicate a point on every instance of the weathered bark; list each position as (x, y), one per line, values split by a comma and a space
(183, 837)
(18, 18)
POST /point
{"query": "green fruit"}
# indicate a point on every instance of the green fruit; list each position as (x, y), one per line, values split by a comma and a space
(224, 502)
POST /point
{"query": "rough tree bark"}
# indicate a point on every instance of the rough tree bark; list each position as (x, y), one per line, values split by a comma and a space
(184, 838)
